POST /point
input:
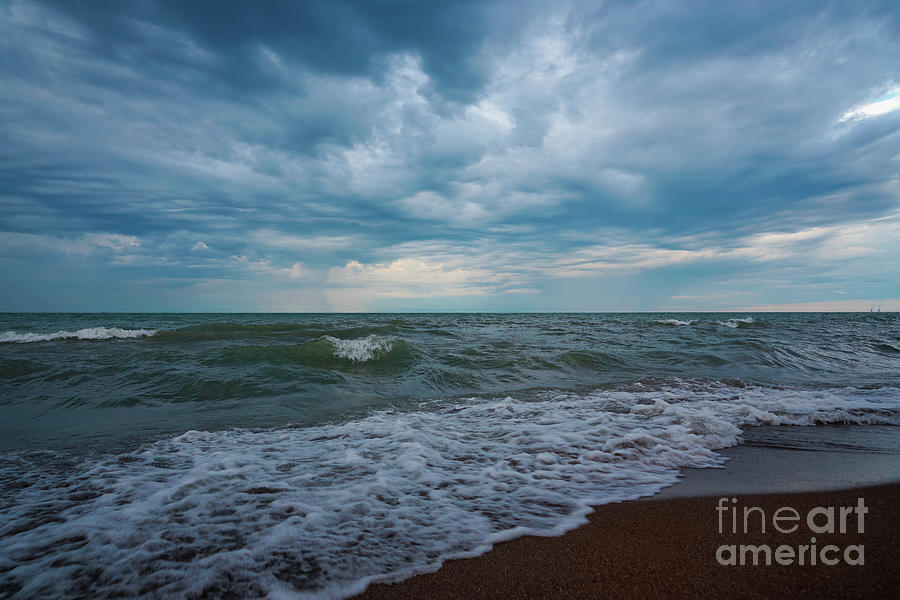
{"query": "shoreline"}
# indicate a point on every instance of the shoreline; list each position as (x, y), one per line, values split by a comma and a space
(665, 545)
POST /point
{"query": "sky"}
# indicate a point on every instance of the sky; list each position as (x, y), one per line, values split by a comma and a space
(449, 156)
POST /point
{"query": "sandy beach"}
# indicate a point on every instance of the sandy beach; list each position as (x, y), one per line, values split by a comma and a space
(667, 549)
(666, 546)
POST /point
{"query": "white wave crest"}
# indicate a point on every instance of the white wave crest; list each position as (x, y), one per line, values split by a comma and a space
(90, 333)
(675, 322)
(361, 349)
(322, 511)
(735, 323)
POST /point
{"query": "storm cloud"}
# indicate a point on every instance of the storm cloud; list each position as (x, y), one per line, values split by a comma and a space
(396, 155)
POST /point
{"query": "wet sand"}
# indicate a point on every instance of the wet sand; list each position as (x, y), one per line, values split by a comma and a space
(667, 549)
(665, 546)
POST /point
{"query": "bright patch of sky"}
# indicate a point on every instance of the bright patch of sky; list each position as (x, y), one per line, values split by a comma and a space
(882, 106)
(499, 155)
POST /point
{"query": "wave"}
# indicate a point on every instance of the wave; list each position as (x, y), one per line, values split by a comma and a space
(322, 511)
(886, 347)
(355, 343)
(90, 333)
(324, 352)
(361, 350)
(732, 323)
(589, 359)
(373, 350)
(735, 323)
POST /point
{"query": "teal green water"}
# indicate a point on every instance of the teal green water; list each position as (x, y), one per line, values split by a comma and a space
(214, 371)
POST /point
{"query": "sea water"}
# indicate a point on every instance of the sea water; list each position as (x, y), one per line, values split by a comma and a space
(261, 455)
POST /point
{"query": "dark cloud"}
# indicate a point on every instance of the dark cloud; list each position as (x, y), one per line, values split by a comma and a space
(480, 146)
(339, 37)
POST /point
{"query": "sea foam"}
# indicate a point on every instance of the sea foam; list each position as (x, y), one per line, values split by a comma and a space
(90, 333)
(322, 511)
(361, 349)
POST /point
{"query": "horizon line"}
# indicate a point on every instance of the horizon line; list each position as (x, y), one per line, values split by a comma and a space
(427, 312)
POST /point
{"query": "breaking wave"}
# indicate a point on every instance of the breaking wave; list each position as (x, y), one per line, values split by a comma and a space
(735, 323)
(675, 322)
(325, 352)
(361, 349)
(90, 333)
(372, 350)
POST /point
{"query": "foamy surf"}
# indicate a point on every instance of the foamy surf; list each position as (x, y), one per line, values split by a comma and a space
(321, 511)
(90, 333)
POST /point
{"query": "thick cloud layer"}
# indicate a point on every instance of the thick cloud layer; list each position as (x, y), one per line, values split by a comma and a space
(449, 156)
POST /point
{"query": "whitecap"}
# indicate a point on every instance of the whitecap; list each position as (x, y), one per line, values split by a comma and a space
(675, 322)
(735, 323)
(90, 333)
(361, 349)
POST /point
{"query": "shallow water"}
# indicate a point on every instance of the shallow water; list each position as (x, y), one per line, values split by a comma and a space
(308, 454)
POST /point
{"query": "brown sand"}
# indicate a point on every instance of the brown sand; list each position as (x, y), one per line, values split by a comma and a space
(667, 549)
